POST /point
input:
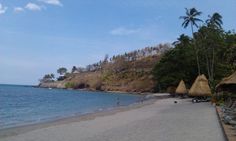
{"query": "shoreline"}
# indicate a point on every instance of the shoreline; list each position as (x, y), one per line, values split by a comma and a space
(92, 90)
(13, 131)
(156, 119)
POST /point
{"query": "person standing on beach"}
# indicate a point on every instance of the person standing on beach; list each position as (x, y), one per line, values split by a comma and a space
(118, 101)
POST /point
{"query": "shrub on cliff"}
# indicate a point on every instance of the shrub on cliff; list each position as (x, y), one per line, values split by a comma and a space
(71, 85)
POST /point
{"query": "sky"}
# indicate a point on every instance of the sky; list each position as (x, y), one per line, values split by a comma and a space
(39, 36)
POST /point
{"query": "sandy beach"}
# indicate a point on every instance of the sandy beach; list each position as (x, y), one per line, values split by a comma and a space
(161, 120)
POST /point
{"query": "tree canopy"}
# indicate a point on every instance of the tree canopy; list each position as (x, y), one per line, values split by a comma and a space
(216, 51)
(47, 78)
(62, 71)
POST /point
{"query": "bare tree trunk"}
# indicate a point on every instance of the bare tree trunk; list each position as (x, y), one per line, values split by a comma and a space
(196, 51)
(212, 64)
(212, 69)
(198, 64)
(208, 66)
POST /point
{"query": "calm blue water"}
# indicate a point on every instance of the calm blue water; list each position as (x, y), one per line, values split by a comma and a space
(26, 105)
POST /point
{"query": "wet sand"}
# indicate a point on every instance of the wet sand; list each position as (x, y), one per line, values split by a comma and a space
(160, 120)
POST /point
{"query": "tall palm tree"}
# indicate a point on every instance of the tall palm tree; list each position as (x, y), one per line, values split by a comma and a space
(214, 26)
(215, 20)
(191, 18)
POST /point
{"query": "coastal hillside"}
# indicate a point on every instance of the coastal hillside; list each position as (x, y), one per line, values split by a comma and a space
(129, 72)
(211, 51)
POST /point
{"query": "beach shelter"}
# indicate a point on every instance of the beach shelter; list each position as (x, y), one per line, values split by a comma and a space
(200, 87)
(181, 89)
(228, 84)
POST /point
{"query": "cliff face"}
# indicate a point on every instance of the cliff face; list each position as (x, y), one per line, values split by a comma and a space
(136, 77)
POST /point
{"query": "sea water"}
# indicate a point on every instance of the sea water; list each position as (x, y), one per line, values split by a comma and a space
(23, 105)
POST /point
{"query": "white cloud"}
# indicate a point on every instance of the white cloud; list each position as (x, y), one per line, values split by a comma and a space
(52, 2)
(18, 9)
(3, 9)
(124, 31)
(33, 7)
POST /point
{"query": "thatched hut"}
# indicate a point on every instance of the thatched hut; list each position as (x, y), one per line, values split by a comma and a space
(200, 87)
(181, 89)
(228, 84)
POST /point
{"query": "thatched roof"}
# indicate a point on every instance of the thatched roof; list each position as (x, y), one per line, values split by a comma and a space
(200, 87)
(228, 80)
(181, 89)
(227, 83)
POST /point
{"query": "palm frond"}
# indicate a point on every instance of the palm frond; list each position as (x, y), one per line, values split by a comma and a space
(196, 25)
(198, 20)
(192, 11)
(186, 24)
(183, 24)
(190, 17)
(197, 13)
(187, 11)
(183, 17)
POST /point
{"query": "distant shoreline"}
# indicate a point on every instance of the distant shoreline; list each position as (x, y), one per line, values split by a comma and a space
(90, 90)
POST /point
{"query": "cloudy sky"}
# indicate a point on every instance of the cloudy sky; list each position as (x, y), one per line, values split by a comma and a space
(38, 36)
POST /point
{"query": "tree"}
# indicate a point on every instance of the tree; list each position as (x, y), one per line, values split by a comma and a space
(215, 21)
(216, 51)
(52, 75)
(182, 40)
(210, 39)
(104, 62)
(81, 69)
(62, 71)
(47, 78)
(175, 65)
(214, 24)
(230, 49)
(191, 18)
(89, 68)
(74, 69)
(106, 58)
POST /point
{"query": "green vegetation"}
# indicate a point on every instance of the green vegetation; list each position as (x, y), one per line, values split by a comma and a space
(177, 64)
(191, 17)
(62, 71)
(69, 85)
(212, 48)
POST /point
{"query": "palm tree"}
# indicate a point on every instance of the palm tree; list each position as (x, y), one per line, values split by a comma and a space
(191, 18)
(215, 21)
(214, 26)
(183, 39)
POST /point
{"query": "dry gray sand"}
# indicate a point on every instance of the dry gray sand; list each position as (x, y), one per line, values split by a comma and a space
(161, 121)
